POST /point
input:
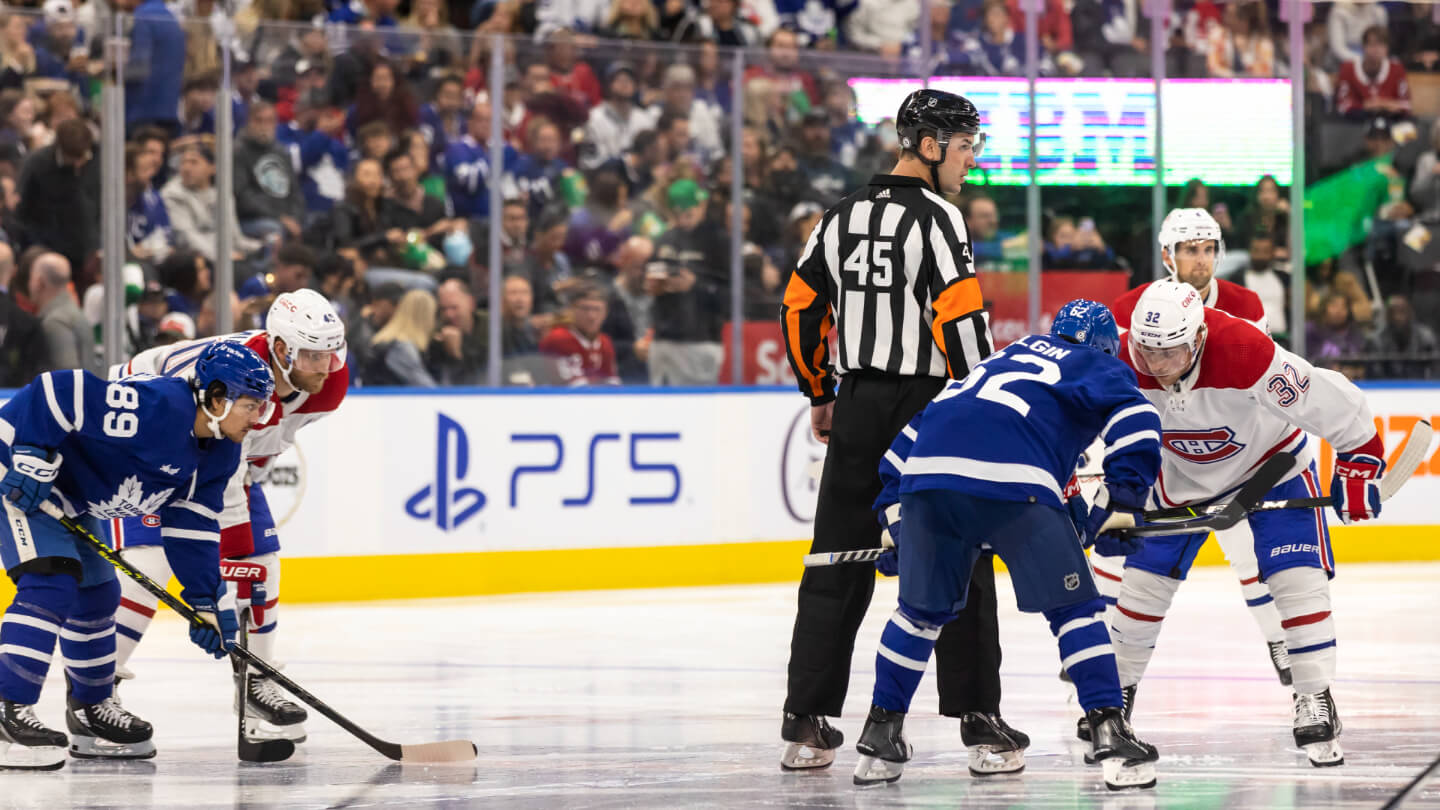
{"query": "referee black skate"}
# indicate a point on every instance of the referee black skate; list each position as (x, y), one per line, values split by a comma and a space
(891, 268)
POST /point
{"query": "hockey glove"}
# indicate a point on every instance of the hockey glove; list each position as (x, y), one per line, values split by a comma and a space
(1355, 486)
(32, 472)
(1109, 543)
(889, 562)
(217, 635)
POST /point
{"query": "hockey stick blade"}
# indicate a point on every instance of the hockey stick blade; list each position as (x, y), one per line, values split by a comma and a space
(450, 751)
(246, 749)
(264, 750)
(1416, 450)
(824, 558)
(1270, 474)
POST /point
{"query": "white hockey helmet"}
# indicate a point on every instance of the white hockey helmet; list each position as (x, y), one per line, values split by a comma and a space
(1189, 225)
(1165, 336)
(314, 335)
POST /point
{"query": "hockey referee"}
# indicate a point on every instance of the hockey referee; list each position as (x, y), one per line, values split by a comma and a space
(890, 268)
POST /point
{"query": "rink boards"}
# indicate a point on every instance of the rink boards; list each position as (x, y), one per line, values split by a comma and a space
(407, 494)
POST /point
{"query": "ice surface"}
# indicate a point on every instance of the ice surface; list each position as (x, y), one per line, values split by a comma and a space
(671, 698)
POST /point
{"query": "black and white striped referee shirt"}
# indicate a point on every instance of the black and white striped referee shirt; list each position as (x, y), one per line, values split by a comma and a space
(890, 267)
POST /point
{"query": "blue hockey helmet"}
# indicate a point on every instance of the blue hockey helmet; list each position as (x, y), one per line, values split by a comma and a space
(240, 371)
(1089, 323)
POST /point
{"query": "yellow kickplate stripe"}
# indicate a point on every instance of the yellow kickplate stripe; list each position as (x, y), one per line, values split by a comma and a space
(351, 579)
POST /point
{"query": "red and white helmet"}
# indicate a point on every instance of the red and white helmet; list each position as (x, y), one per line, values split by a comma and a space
(1165, 328)
(1189, 225)
(314, 335)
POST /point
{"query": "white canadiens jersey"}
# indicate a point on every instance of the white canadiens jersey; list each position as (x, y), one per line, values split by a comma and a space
(1246, 400)
(266, 441)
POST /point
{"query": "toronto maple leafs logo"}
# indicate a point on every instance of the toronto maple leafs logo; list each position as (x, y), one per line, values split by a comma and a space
(130, 501)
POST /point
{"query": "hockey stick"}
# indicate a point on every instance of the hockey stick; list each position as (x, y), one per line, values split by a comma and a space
(1232, 512)
(1416, 449)
(450, 751)
(1271, 473)
(246, 749)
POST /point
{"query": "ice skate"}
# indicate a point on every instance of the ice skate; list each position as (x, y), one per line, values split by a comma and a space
(995, 747)
(1280, 659)
(1317, 727)
(810, 742)
(25, 743)
(105, 730)
(1082, 727)
(269, 715)
(882, 747)
(1127, 761)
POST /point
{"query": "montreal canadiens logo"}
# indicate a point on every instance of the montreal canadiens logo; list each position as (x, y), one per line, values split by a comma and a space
(153, 521)
(1203, 446)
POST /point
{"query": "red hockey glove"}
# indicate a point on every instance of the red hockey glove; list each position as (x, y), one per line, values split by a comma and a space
(1355, 487)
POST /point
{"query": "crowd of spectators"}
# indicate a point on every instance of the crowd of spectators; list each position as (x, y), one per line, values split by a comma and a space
(362, 168)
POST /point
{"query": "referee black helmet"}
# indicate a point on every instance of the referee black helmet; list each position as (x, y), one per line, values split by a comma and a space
(937, 114)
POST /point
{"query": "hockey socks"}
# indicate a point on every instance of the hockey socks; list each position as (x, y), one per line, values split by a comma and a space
(1303, 597)
(905, 648)
(88, 643)
(1086, 653)
(1144, 601)
(28, 633)
(137, 606)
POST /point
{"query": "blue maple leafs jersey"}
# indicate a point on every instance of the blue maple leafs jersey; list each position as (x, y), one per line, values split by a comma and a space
(128, 449)
(1014, 428)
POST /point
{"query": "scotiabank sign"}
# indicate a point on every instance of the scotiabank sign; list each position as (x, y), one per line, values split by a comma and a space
(1007, 297)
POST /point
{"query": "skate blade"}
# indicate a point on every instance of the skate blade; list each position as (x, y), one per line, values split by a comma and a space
(96, 748)
(1325, 754)
(875, 771)
(260, 731)
(25, 758)
(802, 757)
(1128, 774)
(986, 761)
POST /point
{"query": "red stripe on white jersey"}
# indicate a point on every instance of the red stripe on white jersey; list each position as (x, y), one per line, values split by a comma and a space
(1139, 616)
(1308, 618)
(136, 607)
(1321, 536)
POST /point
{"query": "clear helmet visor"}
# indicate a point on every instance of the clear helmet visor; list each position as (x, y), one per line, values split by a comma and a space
(1170, 361)
(255, 411)
(312, 361)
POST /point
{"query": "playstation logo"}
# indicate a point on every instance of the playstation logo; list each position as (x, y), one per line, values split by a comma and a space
(445, 501)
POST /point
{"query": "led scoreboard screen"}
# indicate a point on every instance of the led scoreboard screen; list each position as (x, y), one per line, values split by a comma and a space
(1102, 131)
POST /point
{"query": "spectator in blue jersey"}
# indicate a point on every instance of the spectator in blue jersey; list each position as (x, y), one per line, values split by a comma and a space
(318, 149)
(467, 166)
(1075, 247)
(156, 65)
(197, 105)
(612, 125)
(386, 97)
(998, 50)
(815, 22)
(268, 200)
(443, 119)
(147, 224)
(828, 178)
(537, 174)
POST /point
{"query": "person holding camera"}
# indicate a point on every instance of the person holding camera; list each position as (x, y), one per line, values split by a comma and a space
(688, 281)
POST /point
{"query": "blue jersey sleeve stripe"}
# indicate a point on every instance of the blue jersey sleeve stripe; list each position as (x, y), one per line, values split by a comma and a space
(1126, 413)
(79, 399)
(190, 534)
(895, 461)
(1133, 438)
(992, 471)
(909, 432)
(47, 383)
(208, 514)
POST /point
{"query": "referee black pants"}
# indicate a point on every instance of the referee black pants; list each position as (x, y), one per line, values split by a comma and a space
(869, 413)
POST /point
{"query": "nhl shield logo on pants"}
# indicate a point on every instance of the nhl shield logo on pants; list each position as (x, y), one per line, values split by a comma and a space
(1072, 581)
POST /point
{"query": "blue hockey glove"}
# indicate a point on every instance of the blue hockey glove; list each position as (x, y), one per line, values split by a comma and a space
(889, 562)
(217, 635)
(1079, 510)
(32, 472)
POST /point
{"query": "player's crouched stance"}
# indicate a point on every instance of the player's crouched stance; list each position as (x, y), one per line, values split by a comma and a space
(984, 465)
(98, 450)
